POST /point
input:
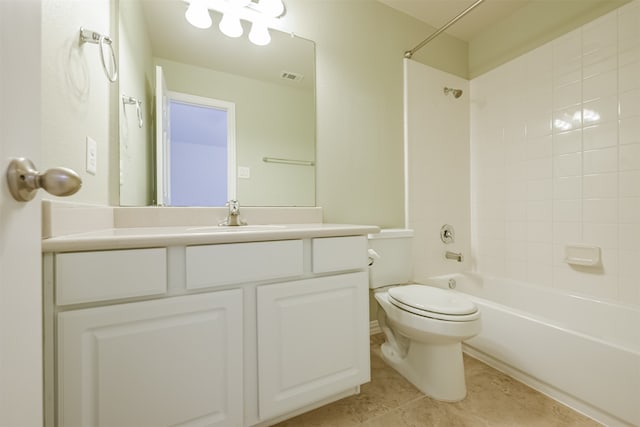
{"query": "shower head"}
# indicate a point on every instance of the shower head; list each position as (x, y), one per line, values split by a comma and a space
(457, 93)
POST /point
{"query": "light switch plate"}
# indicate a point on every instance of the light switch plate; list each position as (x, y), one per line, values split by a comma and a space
(244, 172)
(92, 156)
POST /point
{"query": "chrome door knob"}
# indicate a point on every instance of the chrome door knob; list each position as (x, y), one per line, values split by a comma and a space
(24, 180)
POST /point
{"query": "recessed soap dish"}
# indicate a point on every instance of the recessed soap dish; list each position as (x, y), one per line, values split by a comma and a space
(581, 254)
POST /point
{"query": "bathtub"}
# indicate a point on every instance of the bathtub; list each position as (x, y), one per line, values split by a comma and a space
(582, 352)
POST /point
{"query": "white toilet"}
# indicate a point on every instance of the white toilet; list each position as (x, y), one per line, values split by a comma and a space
(424, 326)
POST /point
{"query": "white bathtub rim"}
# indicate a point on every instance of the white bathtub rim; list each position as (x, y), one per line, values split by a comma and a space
(628, 343)
(441, 282)
(550, 324)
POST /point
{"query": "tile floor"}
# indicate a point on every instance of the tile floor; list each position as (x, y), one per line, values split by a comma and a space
(493, 399)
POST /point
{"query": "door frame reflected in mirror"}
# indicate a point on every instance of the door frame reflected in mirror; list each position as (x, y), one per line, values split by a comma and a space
(203, 178)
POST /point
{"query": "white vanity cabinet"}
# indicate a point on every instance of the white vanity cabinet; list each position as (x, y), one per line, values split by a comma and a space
(313, 334)
(313, 340)
(168, 362)
(233, 333)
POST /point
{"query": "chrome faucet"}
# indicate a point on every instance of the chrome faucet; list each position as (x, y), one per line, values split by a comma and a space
(457, 256)
(233, 217)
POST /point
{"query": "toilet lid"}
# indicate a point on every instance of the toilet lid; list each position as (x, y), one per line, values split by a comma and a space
(432, 300)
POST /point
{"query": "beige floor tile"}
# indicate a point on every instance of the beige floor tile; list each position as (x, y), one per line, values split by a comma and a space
(493, 400)
(427, 412)
(386, 391)
(501, 400)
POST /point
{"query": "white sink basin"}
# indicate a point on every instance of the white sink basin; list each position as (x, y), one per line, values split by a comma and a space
(238, 228)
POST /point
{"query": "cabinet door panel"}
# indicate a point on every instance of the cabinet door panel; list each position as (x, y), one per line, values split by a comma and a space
(170, 362)
(313, 340)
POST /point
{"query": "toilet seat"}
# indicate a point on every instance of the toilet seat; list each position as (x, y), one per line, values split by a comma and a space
(433, 302)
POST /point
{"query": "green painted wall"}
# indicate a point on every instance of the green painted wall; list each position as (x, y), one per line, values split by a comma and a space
(360, 144)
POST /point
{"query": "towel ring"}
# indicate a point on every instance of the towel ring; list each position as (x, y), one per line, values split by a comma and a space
(112, 76)
(90, 36)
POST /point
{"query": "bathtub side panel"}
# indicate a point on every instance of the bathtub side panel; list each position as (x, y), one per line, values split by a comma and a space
(603, 376)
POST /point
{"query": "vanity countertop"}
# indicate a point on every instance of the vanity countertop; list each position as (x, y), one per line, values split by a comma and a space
(145, 237)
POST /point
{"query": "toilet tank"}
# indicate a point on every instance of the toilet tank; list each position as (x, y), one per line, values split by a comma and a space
(394, 263)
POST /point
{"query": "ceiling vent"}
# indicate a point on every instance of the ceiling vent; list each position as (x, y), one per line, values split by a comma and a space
(292, 77)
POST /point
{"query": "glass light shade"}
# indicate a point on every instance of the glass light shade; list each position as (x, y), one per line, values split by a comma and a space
(259, 34)
(272, 8)
(197, 15)
(230, 25)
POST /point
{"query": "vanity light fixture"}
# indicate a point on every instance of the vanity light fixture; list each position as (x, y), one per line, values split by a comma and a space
(259, 34)
(230, 24)
(263, 14)
(272, 8)
(197, 14)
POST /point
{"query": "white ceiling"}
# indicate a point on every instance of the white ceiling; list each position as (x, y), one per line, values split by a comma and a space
(438, 12)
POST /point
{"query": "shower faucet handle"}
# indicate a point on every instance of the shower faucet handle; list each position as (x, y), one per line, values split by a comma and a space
(447, 234)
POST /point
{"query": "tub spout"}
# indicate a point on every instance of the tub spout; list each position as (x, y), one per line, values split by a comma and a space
(457, 256)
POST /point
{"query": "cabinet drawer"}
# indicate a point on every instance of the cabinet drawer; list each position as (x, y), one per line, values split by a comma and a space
(217, 265)
(104, 275)
(339, 253)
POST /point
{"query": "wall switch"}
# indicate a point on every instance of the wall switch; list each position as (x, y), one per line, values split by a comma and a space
(244, 172)
(92, 156)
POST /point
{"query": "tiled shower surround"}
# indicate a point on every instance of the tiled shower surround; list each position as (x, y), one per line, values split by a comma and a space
(555, 159)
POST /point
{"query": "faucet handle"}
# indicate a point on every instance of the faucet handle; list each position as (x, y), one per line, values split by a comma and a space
(233, 217)
(234, 207)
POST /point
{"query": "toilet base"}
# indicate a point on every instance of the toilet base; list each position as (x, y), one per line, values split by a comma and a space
(436, 370)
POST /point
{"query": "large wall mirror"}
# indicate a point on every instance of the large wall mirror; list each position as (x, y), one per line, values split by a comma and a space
(271, 90)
